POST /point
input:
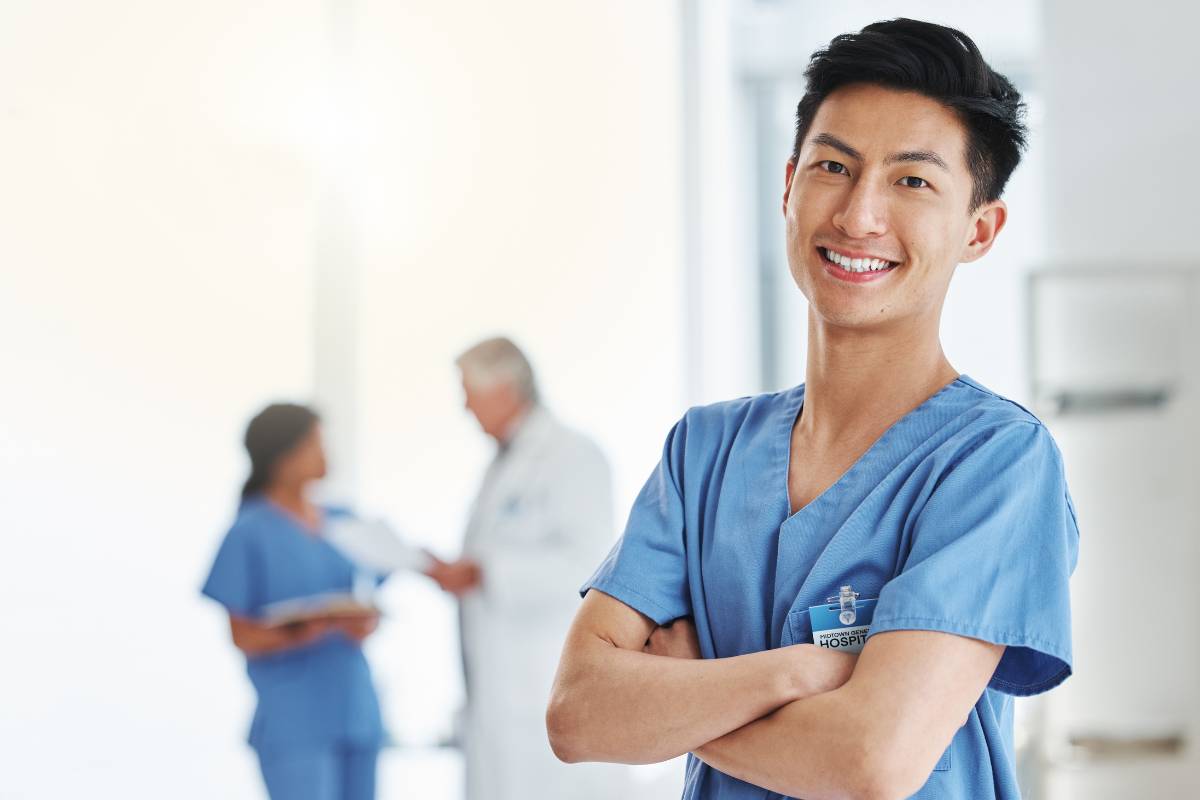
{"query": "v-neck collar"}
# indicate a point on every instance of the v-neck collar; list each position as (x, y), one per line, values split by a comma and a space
(300, 525)
(788, 417)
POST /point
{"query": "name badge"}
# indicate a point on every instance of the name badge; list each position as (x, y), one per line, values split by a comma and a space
(842, 623)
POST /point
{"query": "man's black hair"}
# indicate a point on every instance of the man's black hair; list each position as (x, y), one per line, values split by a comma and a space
(940, 63)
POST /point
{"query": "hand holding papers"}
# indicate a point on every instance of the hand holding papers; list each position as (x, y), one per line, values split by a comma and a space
(327, 606)
(375, 549)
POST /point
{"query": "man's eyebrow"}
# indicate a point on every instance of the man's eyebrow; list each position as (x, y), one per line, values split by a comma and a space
(905, 157)
(926, 156)
(829, 140)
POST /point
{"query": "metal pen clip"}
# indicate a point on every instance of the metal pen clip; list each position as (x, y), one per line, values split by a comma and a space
(846, 598)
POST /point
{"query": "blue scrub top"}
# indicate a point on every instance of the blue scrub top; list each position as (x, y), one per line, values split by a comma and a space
(313, 696)
(957, 519)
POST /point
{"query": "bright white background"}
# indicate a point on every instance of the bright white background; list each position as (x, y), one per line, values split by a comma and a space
(166, 175)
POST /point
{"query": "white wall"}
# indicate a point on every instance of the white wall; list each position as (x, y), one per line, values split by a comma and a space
(524, 179)
(159, 211)
(1123, 128)
(154, 288)
(1121, 174)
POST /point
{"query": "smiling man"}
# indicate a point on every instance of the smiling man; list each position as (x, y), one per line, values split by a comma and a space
(889, 499)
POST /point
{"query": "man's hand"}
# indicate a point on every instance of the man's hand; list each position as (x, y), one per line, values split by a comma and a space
(676, 639)
(617, 698)
(457, 577)
(909, 692)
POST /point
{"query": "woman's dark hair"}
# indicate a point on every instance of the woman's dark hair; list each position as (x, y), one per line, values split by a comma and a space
(940, 63)
(273, 432)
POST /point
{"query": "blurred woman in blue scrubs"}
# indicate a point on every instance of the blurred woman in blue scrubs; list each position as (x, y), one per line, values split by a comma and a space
(317, 728)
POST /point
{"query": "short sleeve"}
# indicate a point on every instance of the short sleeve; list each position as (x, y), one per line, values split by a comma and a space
(232, 580)
(992, 551)
(647, 567)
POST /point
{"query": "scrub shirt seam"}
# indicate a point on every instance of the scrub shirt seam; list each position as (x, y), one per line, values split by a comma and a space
(861, 462)
(783, 444)
(918, 453)
(1023, 640)
(984, 390)
(1025, 690)
(624, 587)
(980, 441)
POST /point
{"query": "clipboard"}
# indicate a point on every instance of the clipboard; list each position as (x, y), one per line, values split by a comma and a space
(326, 605)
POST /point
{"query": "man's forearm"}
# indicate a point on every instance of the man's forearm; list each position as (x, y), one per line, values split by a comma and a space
(877, 737)
(813, 748)
(611, 704)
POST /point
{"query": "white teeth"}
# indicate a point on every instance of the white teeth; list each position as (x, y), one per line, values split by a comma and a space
(856, 264)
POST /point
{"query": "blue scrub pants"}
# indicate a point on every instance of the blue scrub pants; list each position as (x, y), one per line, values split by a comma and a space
(332, 773)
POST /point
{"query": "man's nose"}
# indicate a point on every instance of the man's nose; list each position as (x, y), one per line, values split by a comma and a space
(863, 214)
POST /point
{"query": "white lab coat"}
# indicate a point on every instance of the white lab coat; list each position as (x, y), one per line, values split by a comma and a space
(542, 522)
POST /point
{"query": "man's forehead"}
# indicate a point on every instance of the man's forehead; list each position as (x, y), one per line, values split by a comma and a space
(879, 123)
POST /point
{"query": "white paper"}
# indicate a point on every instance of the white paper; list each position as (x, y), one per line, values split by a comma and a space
(315, 606)
(374, 545)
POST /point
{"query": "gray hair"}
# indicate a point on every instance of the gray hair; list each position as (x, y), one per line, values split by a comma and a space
(498, 360)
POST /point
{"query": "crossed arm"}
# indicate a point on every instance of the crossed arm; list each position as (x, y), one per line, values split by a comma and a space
(799, 720)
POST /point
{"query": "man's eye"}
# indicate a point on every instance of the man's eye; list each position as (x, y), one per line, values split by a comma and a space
(832, 166)
(913, 182)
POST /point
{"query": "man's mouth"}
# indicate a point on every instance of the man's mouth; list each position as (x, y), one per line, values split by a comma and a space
(856, 264)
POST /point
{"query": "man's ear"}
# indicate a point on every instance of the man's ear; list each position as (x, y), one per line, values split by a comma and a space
(788, 172)
(989, 220)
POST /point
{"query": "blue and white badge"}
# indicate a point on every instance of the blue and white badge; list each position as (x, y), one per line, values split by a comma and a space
(843, 622)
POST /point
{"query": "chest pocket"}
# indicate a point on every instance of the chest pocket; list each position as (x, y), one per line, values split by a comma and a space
(518, 519)
(799, 631)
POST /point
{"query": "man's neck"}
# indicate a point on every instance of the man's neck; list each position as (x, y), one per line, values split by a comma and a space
(858, 381)
(512, 426)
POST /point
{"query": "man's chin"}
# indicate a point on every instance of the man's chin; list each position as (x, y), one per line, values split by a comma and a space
(856, 318)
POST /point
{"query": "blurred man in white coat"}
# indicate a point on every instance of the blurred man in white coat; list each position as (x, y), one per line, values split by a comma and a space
(540, 523)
